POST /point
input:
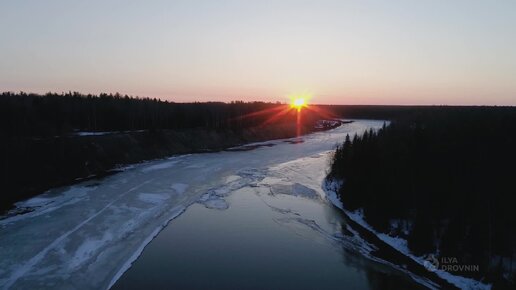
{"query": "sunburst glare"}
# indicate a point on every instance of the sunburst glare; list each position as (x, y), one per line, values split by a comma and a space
(299, 101)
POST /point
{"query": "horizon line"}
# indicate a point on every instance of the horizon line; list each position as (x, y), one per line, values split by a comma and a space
(163, 99)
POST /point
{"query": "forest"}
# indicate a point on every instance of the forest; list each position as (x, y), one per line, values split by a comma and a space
(56, 139)
(52, 114)
(442, 178)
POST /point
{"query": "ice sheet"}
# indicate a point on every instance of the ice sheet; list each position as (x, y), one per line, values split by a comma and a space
(87, 235)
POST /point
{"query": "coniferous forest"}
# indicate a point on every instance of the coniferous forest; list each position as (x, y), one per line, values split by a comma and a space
(443, 179)
(52, 114)
(56, 139)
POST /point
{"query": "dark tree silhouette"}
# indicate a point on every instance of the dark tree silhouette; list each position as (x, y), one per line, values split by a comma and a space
(446, 171)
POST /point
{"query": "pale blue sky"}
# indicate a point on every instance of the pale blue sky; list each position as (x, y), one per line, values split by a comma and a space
(345, 52)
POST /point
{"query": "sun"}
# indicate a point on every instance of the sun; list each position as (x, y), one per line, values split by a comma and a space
(298, 102)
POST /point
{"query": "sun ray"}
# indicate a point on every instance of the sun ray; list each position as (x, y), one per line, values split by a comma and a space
(258, 113)
(284, 111)
(298, 103)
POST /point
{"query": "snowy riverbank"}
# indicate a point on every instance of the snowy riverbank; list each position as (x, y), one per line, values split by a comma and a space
(397, 243)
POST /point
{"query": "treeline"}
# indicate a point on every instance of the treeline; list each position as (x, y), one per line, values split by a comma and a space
(55, 139)
(442, 178)
(379, 112)
(52, 114)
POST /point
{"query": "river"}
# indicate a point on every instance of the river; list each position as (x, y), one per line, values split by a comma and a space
(252, 217)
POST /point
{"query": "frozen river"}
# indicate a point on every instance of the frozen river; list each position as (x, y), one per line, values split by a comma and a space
(254, 218)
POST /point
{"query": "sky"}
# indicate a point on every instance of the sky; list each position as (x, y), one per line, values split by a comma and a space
(449, 52)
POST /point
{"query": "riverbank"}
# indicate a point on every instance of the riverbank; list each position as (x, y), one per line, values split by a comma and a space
(394, 250)
(66, 160)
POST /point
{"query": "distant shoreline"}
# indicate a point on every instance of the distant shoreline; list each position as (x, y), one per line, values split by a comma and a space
(107, 153)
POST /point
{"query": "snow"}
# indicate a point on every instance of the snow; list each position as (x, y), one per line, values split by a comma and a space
(87, 249)
(179, 188)
(87, 133)
(47, 202)
(35, 202)
(331, 187)
(175, 212)
(214, 198)
(92, 232)
(97, 133)
(161, 165)
(155, 198)
(397, 243)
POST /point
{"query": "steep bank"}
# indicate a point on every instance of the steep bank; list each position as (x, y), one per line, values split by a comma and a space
(440, 187)
(40, 164)
(394, 251)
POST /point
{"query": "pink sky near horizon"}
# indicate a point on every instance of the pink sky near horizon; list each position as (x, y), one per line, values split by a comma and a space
(339, 52)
